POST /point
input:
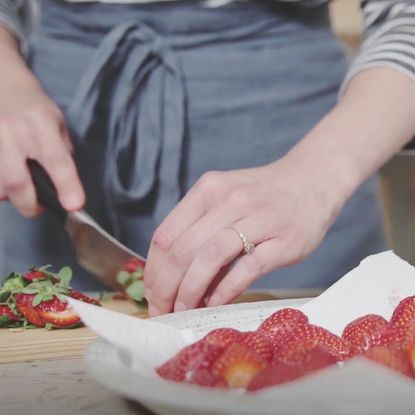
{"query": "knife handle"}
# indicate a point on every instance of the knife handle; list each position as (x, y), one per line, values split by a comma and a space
(47, 195)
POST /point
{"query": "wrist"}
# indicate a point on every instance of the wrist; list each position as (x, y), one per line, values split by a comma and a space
(13, 69)
(324, 160)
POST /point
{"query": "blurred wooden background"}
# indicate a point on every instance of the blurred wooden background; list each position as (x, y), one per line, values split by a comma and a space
(398, 175)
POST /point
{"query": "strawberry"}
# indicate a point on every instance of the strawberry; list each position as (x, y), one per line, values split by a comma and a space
(314, 359)
(398, 337)
(309, 336)
(54, 312)
(58, 313)
(404, 313)
(411, 352)
(5, 310)
(133, 264)
(392, 358)
(274, 375)
(258, 343)
(7, 316)
(82, 297)
(238, 365)
(24, 304)
(223, 336)
(364, 332)
(193, 364)
(34, 274)
(279, 327)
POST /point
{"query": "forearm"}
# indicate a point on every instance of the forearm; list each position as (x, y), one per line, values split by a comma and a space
(13, 69)
(374, 119)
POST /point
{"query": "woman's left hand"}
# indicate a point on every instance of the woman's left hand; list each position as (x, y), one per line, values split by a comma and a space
(277, 207)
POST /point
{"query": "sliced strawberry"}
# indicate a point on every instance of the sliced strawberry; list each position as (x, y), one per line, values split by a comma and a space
(7, 316)
(82, 297)
(24, 304)
(397, 337)
(258, 343)
(314, 359)
(5, 310)
(35, 275)
(193, 364)
(411, 351)
(238, 365)
(404, 313)
(133, 264)
(280, 326)
(309, 336)
(274, 375)
(390, 357)
(223, 336)
(364, 332)
(55, 311)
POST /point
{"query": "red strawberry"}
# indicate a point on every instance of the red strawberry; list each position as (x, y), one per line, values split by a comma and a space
(397, 337)
(223, 336)
(53, 311)
(258, 343)
(309, 336)
(34, 275)
(411, 352)
(24, 303)
(193, 364)
(133, 264)
(314, 359)
(58, 313)
(404, 314)
(7, 315)
(275, 375)
(279, 327)
(364, 332)
(238, 365)
(390, 357)
(82, 297)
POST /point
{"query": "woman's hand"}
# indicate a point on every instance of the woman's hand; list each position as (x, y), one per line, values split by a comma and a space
(284, 208)
(276, 207)
(31, 126)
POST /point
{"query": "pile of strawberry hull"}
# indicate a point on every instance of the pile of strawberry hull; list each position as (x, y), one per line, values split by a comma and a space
(38, 299)
(286, 347)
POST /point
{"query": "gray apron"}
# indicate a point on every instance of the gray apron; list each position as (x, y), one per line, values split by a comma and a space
(155, 95)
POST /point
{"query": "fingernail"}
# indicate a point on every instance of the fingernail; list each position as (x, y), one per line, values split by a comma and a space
(214, 300)
(179, 306)
(153, 311)
(73, 201)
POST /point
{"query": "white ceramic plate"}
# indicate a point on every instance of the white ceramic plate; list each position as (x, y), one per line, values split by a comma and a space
(360, 387)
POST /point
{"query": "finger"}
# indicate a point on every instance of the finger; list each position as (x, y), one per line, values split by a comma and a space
(267, 256)
(66, 138)
(189, 210)
(16, 181)
(60, 166)
(178, 259)
(211, 258)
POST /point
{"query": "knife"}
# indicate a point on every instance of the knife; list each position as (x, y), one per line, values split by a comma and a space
(96, 250)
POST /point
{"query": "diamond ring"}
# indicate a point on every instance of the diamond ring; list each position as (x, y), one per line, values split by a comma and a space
(248, 246)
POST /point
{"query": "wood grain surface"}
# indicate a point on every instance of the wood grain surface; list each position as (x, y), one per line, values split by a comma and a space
(40, 344)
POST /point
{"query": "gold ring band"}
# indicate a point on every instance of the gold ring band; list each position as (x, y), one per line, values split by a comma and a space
(248, 246)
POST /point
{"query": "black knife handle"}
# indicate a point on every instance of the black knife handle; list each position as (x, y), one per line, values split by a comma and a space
(47, 195)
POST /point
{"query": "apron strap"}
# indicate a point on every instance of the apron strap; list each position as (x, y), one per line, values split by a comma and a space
(135, 71)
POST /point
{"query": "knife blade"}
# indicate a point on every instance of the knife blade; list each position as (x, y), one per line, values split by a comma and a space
(96, 250)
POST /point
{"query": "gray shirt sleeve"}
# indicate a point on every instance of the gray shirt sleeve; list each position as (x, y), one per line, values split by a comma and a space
(388, 39)
(15, 16)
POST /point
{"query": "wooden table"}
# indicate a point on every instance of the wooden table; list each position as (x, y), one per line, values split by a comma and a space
(46, 377)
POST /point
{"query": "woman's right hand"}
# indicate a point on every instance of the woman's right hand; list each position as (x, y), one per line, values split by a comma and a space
(32, 126)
